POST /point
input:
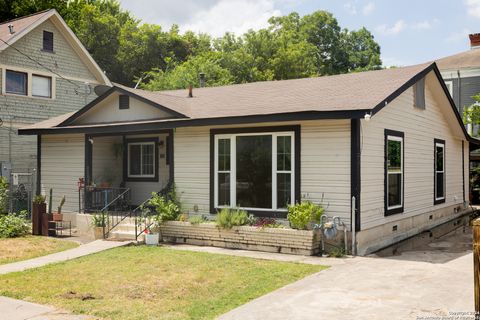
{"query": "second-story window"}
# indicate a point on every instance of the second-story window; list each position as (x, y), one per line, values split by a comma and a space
(16, 82)
(41, 86)
(47, 41)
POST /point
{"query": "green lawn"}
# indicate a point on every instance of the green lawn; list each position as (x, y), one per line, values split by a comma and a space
(140, 282)
(23, 248)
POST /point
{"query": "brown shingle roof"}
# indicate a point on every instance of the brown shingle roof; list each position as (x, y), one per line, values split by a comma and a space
(462, 60)
(19, 25)
(340, 93)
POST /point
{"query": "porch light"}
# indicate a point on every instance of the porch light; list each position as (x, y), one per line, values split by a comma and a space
(367, 116)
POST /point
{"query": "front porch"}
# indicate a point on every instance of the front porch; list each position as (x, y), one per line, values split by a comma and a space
(121, 171)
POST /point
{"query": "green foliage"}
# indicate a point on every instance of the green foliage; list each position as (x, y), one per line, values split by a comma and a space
(471, 114)
(39, 199)
(99, 219)
(228, 218)
(62, 202)
(3, 195)
(197, 219)
(165, 209)
(302, 215)
(337, 252)
(14, 225)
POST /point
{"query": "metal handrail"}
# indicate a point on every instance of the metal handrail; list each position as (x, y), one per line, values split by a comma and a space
(107, 226)
(114, 200)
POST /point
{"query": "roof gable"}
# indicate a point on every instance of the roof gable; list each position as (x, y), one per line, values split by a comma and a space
(105, 109)
(22, 26)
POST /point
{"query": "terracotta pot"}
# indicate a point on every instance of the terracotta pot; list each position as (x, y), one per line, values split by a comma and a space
(38, 210)
(58, 217)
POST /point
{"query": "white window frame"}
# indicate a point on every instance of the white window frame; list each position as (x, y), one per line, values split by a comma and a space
(30, 74)
(141, 160)
(441, 145)
(46, 77)
(233, 169)
(400, 139)
(26, 84)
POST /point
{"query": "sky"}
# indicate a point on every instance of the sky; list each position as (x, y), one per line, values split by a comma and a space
(408, 31)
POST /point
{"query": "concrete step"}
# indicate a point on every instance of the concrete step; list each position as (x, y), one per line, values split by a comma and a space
(124, 235)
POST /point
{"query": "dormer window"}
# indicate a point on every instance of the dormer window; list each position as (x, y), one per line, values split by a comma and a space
(47, 41)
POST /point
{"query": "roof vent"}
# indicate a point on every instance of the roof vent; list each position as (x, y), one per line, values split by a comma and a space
(10, 29)
(474, 40)
(202, 79)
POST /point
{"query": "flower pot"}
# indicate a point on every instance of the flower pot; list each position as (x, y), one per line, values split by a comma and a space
(58, 217)
(152, 239)
(38, 210)
(98, 233)
(45, 223)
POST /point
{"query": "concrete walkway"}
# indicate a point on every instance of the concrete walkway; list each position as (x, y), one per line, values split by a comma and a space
(432, 282)
(83, 250)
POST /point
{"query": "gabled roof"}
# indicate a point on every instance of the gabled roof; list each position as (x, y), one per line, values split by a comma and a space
(463, 60)
(23, 25)
(344, 96)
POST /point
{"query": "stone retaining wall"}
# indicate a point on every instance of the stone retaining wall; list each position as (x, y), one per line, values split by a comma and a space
(301, 242)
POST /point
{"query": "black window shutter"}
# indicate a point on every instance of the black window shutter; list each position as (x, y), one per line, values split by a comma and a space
(123, 101)
(48, 41)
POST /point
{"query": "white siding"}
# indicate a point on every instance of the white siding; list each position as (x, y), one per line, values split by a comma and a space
(325, 164)
(108, 111)
(420, 127)
(62, 165)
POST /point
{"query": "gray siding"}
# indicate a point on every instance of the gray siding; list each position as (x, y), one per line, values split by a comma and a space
(463, 90)
(21, 111)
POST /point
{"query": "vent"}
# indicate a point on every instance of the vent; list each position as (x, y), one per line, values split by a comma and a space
(47, 41)
(419, 94)
(123, 102)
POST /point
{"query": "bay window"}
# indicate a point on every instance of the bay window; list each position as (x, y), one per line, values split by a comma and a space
(439, 177)
(394, 175)
(254, 170)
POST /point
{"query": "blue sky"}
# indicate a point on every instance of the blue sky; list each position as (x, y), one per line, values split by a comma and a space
(408, 31)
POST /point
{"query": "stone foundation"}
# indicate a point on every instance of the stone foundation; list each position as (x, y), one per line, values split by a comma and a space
(301, 242)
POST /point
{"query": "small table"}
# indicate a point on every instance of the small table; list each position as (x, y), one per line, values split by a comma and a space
(58, 227)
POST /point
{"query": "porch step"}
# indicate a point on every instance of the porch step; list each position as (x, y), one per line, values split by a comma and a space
(125, 235)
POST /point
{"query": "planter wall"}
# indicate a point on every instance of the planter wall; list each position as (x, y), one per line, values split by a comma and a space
(301, 242)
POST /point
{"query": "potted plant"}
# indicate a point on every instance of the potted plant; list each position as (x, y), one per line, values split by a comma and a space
(58, 216)
(98, 224)
(151, 238)
(39, 208)
(166, 208)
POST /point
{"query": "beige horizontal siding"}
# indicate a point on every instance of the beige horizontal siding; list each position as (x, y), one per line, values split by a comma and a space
(62, 165)
(325, 164)
(420, 127)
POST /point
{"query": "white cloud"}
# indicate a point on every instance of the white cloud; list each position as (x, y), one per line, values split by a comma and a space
(473, 8)
(386, 30)
(211, 16)
(351, 7)
(459, 36)
(368, 8)
(425, 25)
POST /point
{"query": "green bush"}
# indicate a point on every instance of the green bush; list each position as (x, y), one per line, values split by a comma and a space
(166, 210)
(228, 218)
(3, 195)
(99, 219)
(302, 215)
(14, 225)
(197, 219)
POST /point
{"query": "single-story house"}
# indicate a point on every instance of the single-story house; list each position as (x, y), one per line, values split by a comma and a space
(392, 140)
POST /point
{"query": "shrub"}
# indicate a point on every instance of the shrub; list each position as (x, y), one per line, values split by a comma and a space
(197, 219)
(14, 225)
(39, 199)
(3, 195)
(301, 215)
(267, 223)
(99, 219)
(227, 218)
(166, 210)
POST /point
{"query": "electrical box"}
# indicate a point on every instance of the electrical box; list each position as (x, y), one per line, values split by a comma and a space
(5, 169)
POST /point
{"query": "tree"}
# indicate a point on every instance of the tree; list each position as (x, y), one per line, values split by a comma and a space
(471, 114)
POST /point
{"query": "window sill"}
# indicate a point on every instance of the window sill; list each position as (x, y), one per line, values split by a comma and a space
(389, 212)
(438, 201)
(47, 51)
(140, 179)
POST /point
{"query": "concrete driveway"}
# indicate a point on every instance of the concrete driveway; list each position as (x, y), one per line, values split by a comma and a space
(433, 282)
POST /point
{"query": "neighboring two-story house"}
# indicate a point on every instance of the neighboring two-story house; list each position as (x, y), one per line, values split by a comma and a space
(44, 71)
(461, 73)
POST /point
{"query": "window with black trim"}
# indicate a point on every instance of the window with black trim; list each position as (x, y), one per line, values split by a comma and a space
(439, 177)
(394, 171)
(16, 82)
(254, 171)
(123, 101)
(141, 159)
(47, 41)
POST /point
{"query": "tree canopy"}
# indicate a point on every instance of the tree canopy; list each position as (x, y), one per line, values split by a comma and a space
(130, 51)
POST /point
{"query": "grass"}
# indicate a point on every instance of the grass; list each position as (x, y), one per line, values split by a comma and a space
(152, 283)
(23, 248)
